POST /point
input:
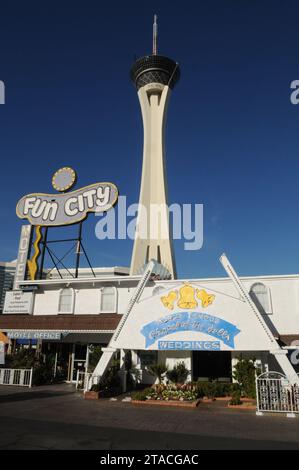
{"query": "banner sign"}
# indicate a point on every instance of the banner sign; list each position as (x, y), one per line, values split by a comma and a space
(24, 247)
(67, 208)
(46, 335)
(190, 321)
(189, 345)
(17, 301)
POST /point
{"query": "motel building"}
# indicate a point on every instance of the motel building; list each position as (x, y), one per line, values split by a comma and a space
(145, 309)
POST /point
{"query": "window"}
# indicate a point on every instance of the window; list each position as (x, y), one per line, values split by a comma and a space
(260, 295)
(147, 358)
(108, 300)
(66, 301)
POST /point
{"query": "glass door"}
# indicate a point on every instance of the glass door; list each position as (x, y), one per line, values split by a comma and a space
(79, 359)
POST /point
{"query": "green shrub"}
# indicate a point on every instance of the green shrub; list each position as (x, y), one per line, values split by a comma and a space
(207, 389)
(27, 359)
(236, 398)
(244, 374)
(213, 389)
(234, 387)
(223, 389)
(42, 374)
(110, 379)
(158, 371)
(94, 357)
(22, 359)
(178, 374)
(143, 395)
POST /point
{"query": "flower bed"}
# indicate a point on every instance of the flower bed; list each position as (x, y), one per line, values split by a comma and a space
(180, 403)
(191, 394)
(171, 394)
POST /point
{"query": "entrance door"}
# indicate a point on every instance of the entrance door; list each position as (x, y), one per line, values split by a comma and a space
(79, 361)
(211, 365)
(63, 351)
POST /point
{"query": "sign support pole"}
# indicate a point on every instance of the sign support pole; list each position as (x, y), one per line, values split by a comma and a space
(78, 251)
(44, 243)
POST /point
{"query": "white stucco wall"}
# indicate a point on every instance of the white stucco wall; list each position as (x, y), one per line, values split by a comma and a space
(284, 291)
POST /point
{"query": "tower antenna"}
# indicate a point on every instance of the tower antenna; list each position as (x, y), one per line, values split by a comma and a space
(155, 35)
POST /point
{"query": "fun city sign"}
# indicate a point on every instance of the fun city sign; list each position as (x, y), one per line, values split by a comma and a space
(190, 317)
(54, 210)
(67, 208)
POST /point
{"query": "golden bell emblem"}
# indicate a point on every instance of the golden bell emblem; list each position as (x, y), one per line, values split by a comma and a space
(187, 297)
(206, 299)
(168, 301)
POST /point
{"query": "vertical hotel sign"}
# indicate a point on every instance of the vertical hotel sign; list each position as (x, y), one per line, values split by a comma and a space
(24, 247)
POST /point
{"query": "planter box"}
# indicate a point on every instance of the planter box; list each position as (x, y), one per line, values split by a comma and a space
(102, 394)
(92, 395)
(228, 398)
(182, 404)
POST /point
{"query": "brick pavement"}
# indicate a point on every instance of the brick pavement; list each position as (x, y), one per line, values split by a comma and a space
(57, 417)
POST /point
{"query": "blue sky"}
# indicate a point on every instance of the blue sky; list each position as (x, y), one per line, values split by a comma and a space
(232, 133)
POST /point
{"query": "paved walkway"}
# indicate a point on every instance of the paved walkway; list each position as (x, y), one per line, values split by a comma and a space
(57, 417)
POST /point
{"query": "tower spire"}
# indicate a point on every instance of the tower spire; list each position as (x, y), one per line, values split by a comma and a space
(155, 35)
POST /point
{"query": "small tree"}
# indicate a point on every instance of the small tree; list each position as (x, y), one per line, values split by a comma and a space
(94, 357)
(244, 374)
(178, 374)
(158, 371)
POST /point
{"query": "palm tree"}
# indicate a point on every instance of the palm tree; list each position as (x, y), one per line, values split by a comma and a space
(158, 370)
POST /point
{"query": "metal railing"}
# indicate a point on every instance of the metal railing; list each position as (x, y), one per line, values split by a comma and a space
(85, 380)
(275, 394)
(19, 377)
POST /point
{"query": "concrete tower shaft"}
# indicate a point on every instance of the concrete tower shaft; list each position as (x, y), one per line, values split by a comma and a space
(154, 77)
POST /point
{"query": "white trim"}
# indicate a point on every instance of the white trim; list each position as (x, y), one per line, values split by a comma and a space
(136, 279)
(114, 310)
(71, 312)
(227, 279)
(82, 280)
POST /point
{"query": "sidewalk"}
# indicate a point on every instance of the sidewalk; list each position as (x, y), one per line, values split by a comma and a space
(58, 417)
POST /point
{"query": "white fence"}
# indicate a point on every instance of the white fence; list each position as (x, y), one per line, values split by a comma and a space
(86, 380)
(275, 394)
(20, 377)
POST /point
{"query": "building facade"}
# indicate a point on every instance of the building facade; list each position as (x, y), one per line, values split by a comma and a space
(71, 316)
(145, 310)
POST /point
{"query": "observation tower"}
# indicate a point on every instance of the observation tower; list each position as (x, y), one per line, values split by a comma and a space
(154, 76)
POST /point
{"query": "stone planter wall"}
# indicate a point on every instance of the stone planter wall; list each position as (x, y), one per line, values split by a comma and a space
(92, 395)
(183, 404)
